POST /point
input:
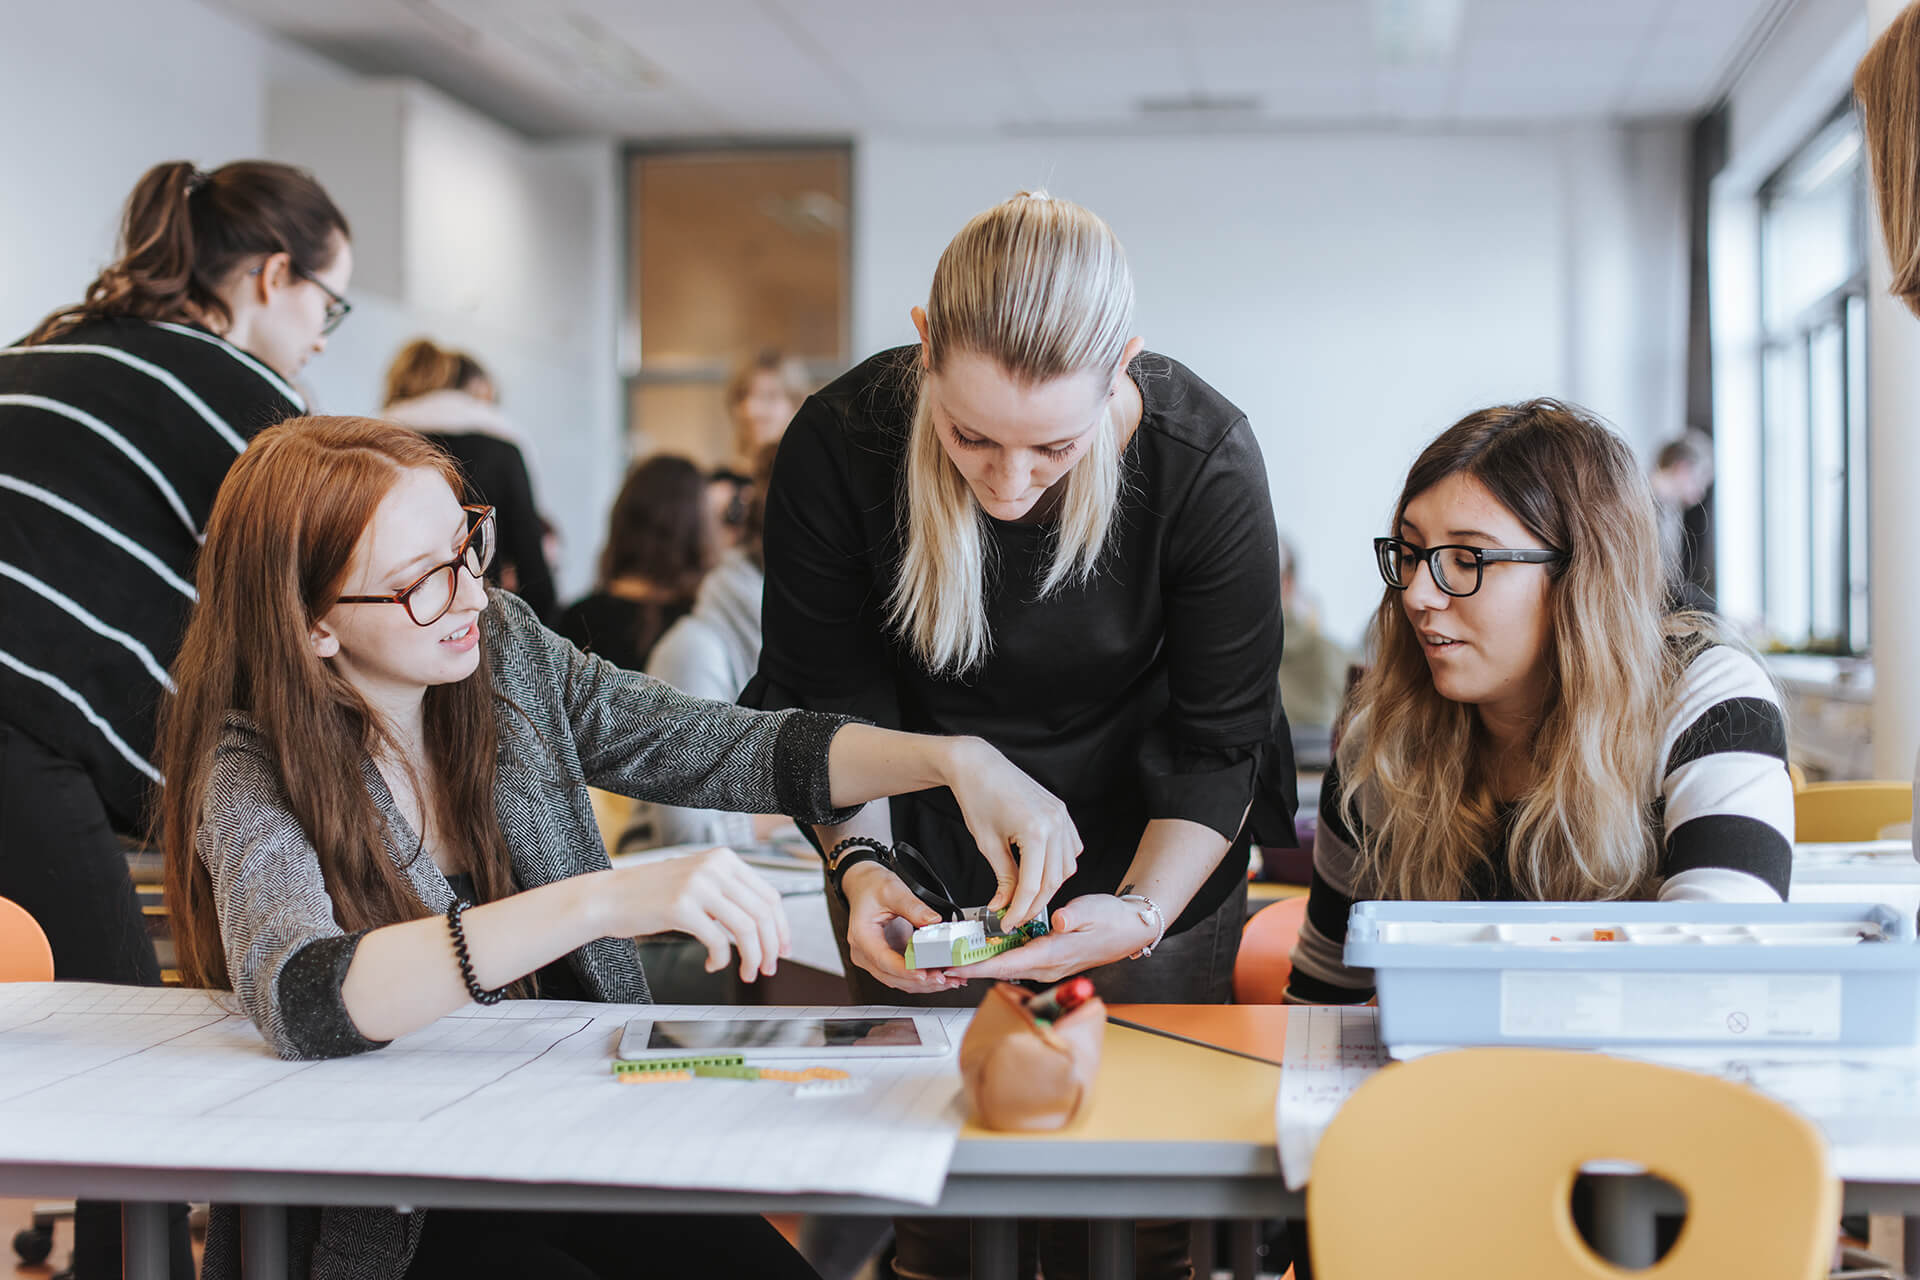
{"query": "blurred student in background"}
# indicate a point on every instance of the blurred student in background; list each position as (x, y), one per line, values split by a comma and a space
(712, 653)
(119, 415)
(1313, 669)
(761, 400)
(658, 549)
(448, 397)
(1681, 476)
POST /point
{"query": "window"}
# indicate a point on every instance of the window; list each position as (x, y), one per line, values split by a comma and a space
(731, 252)
(1813, 319)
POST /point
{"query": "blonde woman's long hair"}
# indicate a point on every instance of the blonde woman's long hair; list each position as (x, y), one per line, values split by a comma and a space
(1041, 287)
(1887, 87)
(1416, 767)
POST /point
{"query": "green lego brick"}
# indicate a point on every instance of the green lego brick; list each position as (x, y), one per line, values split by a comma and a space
(726, 1071)
(631, 1066)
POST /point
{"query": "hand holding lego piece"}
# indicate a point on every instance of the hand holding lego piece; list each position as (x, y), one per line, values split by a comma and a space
(876, 897)
(1092, 930)
(975, 937)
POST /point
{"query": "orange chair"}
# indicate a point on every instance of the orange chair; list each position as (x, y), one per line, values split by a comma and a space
(1460, 1166)
(1265, 959)
(24, 953)
(1830, 811)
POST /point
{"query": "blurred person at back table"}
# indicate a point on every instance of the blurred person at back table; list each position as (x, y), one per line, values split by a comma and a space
(712, 653)
(1681, 477)
(1313, 668)
(659, 547)
(761, 399)
(119, 415)
(449, 397)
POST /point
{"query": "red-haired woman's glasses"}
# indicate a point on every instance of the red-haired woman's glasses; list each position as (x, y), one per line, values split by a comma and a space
(428, 597)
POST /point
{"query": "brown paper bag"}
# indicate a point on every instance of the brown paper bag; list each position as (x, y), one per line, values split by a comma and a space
(1021, 1075)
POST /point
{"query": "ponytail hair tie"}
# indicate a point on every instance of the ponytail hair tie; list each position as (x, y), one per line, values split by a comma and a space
(196, 180)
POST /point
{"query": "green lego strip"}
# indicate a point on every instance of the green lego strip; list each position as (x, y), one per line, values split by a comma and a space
(634, 1066)
(726, 1071)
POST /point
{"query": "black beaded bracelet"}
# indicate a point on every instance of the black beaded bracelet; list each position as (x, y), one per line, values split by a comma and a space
(851, 852)
(479, 993)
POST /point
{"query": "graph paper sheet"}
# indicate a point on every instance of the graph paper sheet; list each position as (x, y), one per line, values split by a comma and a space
(1331, 1050)
(520, 1092)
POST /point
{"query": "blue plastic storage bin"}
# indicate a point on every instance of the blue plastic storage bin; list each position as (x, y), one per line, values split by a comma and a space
(1707, 975)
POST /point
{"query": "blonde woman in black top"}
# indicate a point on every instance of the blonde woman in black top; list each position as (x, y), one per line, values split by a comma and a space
(1027, 528)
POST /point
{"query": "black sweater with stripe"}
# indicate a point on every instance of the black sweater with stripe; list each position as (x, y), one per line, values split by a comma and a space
(113, 441)
(1723, 803)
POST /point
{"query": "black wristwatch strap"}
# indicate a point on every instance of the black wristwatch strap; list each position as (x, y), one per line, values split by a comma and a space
(851, 852)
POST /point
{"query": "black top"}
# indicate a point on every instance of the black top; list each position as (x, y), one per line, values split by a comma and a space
(621, 631)
(1149, 692)
(497, 475)
(113, 440)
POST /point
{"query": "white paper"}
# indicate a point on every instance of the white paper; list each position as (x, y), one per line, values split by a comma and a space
(1865, 1101)
(1331, 1050)
(520, 1092)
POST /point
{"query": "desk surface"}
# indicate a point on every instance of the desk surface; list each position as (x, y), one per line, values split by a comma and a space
(1154, 1090)
(1172, 1129)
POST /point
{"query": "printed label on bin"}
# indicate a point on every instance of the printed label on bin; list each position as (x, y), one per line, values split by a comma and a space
(1671, 1006)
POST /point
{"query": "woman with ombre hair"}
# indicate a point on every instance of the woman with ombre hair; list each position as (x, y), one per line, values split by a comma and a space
(377, 810)
(1535, 726)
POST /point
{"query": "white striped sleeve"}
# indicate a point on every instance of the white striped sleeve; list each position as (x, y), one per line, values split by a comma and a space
(1728, 823)
(163, 376)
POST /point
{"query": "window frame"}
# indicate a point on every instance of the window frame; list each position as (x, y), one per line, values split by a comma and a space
(1834, 311)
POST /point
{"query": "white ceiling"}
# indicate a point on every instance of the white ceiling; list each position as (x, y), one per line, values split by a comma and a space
(663, 68)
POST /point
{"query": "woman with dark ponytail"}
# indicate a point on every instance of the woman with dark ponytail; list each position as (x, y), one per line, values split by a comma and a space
(119, 416)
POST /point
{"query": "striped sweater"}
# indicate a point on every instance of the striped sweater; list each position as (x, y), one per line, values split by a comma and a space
(113, 441)
(1723, 803)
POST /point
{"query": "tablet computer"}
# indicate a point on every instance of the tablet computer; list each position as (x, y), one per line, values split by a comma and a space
(765, 1036)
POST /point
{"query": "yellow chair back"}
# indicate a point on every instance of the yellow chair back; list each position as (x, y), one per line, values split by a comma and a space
(1830, 811)
(611, 811)
(24, 953)
(1798, 775)
(1462, 1165)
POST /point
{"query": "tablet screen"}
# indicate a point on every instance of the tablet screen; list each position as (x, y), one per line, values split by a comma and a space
(800, 1033)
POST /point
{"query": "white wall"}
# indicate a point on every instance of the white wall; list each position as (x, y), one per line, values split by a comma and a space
(521, 263)
(98, 91)
(485, 241)
(1354, 293)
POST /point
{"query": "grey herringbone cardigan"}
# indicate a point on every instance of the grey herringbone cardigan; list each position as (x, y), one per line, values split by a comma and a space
(586, 723)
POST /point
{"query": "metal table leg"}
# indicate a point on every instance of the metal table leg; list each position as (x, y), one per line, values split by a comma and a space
(1245, 1252)
(1623, 1218)
(263, 1242)
(144, 1242)
(1111, 1257)
(996, 1248)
